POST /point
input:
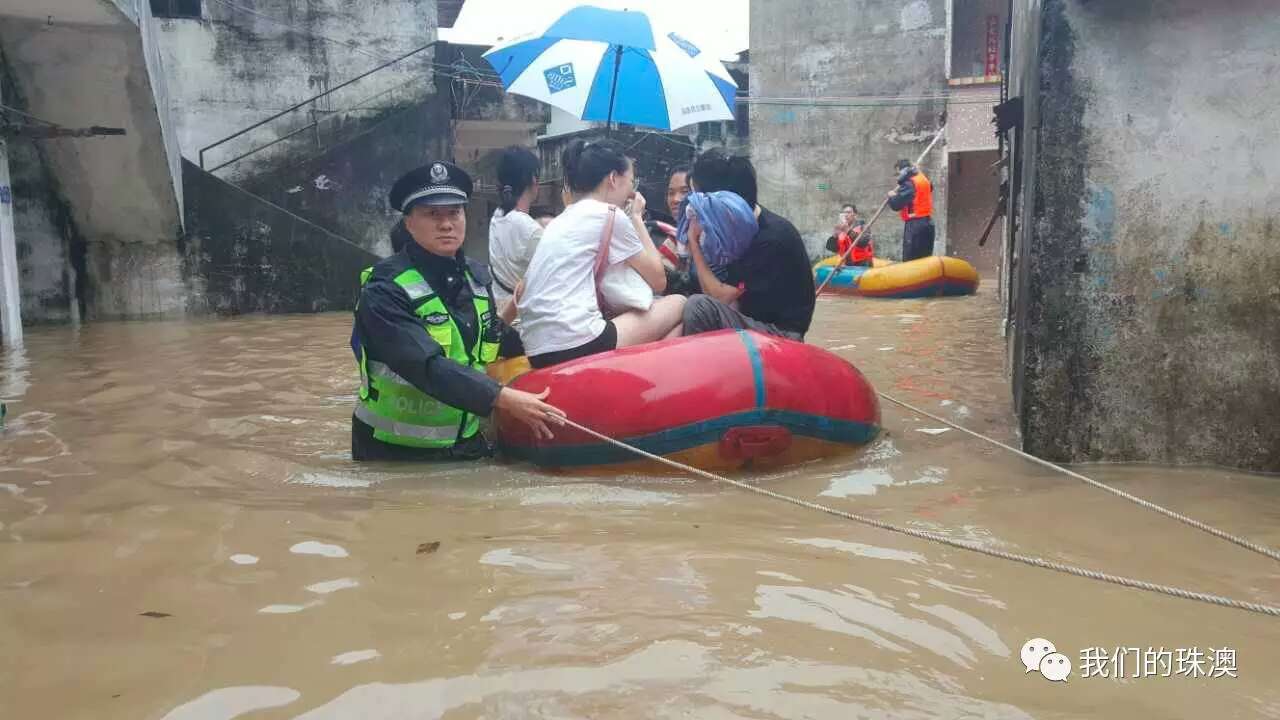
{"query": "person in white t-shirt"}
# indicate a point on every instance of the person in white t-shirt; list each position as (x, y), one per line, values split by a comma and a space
(560, 318)
(513, 233)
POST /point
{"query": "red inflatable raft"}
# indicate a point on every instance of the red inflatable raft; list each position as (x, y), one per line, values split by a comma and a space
(716, 401)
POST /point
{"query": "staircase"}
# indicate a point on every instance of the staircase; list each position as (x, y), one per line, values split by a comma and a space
(322, 121)
(248, 255)
(283, 214)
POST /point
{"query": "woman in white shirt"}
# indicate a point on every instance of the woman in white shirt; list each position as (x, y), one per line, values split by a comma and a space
(560, 318)
(513, 233)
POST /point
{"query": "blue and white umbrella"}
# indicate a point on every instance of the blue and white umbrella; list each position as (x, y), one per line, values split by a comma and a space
(617, 66)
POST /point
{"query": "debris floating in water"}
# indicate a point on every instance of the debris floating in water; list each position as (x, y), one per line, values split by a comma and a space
(427, 548)
(505, 557)
(311, 547)
(286, 609)
(155, 614)
(457, 615)
(933, 431)
(330, 586)
(355, 656)
(243, 559)
(233, 702)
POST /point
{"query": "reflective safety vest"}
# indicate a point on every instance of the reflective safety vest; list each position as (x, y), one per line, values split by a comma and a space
(922, 204)
(398, 412)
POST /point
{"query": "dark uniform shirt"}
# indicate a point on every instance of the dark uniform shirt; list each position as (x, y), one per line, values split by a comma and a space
(386, 326)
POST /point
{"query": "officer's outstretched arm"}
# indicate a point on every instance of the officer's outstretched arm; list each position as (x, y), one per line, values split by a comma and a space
(531, 410)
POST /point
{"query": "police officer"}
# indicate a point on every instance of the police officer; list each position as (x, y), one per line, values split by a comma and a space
(914, 200)
(425, 327)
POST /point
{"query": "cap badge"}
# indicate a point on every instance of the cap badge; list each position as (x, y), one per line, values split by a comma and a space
(439, 173)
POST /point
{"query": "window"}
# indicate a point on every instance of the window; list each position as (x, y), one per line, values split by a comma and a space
(176, 9)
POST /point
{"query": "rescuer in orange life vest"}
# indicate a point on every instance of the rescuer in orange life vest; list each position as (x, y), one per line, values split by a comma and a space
(914, 201)
(849, 231)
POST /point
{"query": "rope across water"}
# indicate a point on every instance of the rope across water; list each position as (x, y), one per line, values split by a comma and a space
(961, 544)
(1242, 542)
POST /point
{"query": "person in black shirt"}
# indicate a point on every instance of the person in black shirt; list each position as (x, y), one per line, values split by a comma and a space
(771, 285)
(419, 399)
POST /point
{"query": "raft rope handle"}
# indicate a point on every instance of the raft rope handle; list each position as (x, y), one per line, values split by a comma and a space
(935, 537)
(1241, 541)
(867, 228)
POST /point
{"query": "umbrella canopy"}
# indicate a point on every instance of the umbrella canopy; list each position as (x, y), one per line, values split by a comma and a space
(617, 66)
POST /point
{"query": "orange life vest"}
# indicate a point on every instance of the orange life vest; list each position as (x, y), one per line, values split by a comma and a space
(859, 254)
(922, 205)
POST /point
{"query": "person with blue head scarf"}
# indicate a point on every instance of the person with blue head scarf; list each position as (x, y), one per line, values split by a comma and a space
(726, 223)
(767, 285)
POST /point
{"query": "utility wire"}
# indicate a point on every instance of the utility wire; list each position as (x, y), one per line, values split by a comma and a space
(16, 111)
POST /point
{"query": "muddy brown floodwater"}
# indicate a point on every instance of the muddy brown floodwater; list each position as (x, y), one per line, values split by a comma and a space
(184, 536)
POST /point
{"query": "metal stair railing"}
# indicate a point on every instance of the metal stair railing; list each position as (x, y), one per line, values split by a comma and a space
(312, 102)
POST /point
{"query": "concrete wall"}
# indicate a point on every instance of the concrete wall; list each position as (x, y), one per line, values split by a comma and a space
(244, 62)
(971, 201)
(969, 112)
(48, 247)
(969, 34)
(344, 189)
(1149, 300)
(810, 157)
(159, 80)
(44, 232)
(242, 255)
(81, 64)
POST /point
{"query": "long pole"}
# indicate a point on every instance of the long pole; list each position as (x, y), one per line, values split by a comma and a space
(875, 217)
(10, 298)
(613, 90)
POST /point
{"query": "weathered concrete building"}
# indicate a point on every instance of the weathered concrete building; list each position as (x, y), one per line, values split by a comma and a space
(260, 140)
(840, 90)
(303, 110)
(1145, 293)
(95, 219)
(312, 109)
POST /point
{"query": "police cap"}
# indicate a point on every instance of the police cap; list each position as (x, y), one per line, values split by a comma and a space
(438, 183)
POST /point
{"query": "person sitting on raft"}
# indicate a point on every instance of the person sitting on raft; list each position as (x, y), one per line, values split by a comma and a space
(681, 276)
(513, 233)
(425, 327)
(725, 226)
(772, 281)
(849, 231)
(560, 318)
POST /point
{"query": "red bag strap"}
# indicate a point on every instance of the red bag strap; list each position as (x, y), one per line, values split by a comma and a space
(602, 256)
(669, 254)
